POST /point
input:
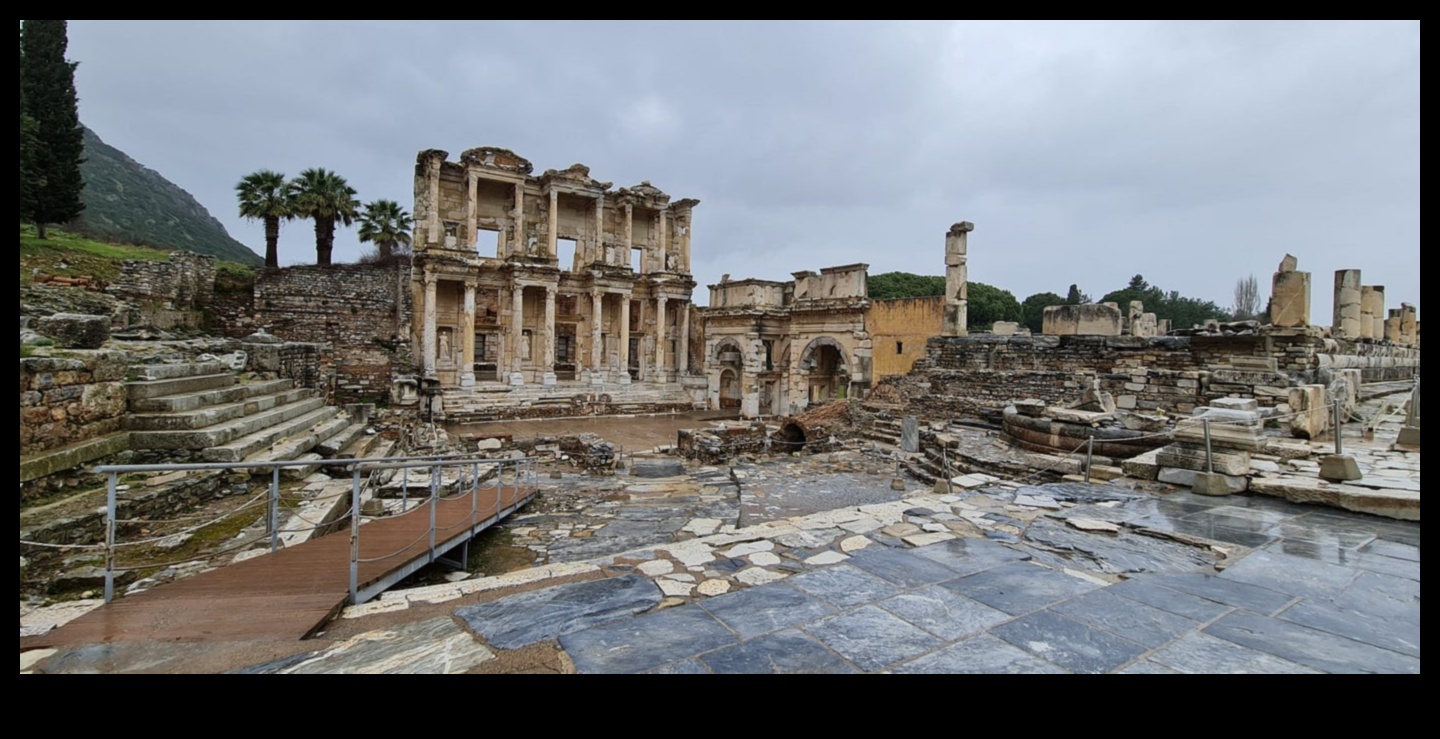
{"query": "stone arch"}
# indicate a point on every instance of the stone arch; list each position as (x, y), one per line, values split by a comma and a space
(826, 369)
(728, 346)
(731, 392)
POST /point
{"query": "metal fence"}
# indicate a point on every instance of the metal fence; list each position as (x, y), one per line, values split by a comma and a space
(469, 472)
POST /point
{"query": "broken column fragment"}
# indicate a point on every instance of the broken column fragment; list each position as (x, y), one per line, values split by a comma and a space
(1290, 295)
(956, 277)
(1409, 328)
(1372, 307)
(1346, 324)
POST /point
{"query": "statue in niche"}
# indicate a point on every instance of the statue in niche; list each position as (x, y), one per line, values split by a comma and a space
(671, 263)
(532, 247)
(525, 342)
(443, 353)
(609, 253)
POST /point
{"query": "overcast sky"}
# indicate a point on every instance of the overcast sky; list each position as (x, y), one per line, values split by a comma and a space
(1191, 153)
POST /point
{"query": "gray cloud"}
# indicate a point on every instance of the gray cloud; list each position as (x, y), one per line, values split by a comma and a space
(1193, 153)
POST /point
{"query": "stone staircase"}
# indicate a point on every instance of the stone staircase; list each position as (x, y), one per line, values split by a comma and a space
(203, 408)
(490, 403)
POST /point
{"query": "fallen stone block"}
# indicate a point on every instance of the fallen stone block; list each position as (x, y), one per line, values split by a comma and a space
(1187, 478)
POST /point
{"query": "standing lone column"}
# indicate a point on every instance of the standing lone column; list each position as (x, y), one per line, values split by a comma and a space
(1347, 305)
(956, 279)
(1290, 295)
(428, 341)
(629, 232)
(554, 223)
(467, 341)
(471, 213)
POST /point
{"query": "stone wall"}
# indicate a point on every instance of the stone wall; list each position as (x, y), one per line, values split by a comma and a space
(970, 376)
(899, 330)
(70, 398)
(169, 293)
(357, 316)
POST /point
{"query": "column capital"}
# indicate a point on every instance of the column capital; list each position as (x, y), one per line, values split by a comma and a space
(430, 278)
(472, 283)
(550, 291)
(554, 195)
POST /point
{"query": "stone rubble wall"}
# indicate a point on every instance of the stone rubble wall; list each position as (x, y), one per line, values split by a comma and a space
(358, 315)
(70, 398)
(182, 282)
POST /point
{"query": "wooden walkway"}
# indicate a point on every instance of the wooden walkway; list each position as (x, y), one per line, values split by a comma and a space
(291, 593)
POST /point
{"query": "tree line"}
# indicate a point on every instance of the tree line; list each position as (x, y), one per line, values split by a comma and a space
(327, 200)
(988, 304)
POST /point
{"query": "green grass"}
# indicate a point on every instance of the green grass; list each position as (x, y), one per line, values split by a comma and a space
(70, 255)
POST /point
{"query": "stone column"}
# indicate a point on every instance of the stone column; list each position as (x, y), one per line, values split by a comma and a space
(428, 337)
(1392, 326)
(1347, 304)
(517, 330)
(554, 222)
(467, 341)
(956, 279)
(597, 344)
(624, 338)
(1290, 295)
(471, 211)
(1376, 309)
(629, 231)
(1409, 328)
(664, 240)
(597, 247)
(516, 243)
(660, 363)
(548, 353)
(433, 220)
(682, 354)
(1367, 311)
(685, 237)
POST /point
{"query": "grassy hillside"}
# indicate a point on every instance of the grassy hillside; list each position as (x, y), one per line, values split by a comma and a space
(67, 255)
(125, 201)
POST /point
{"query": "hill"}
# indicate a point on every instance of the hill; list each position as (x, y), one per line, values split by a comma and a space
(125, 201)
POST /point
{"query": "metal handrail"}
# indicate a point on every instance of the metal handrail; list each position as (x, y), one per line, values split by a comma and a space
(523, 469)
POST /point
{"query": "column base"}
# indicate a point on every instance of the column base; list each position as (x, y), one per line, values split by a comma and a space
(548, 379)
(624, 378)
(597, 377)
(467, 379)
(516, 379)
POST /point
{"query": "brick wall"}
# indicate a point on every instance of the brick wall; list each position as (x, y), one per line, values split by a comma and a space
(182, 282)
(359, 313)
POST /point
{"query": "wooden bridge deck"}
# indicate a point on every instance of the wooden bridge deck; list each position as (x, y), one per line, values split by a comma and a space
(291, 593)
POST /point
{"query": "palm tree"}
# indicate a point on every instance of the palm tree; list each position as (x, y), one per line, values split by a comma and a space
(265, 195)
(325, 198)
(387, 225)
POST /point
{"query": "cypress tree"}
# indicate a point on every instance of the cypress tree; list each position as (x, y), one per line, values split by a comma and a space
(47, 85)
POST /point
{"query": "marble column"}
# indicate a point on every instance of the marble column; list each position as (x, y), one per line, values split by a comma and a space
(517, 328)
(467, 340)
(516, 243)
(433, 217)
(1372, 311)
(629, 231)
(554, 223)
(625, 338)
(427, 348)
(1346, 324)
(685, 237)
(597, 245)
(664, 241)
(548, 352)
(682, 352)
(471, 212)
(660, 348)
(956, 280)
(597, 323)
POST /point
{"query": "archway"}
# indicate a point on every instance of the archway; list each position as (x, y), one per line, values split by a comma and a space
(791, 438)
(826, 369)
(730, 392)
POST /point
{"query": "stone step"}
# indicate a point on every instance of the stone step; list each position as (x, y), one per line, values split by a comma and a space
(174, 371)
(302, 472)
(224, 433)
(331, 447)
(206, 417)
(281, 442)
(206, 398)
(147, 389)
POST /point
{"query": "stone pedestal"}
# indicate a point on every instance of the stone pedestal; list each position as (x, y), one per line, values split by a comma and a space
(1312, 416)
(624, 378)
(467, 379)
(548, 379)
(597, 377)
(1339, 468)
(517, 379)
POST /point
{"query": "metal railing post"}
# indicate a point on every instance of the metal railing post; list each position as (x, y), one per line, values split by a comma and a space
(434, 503)
(404, 489)
(1209, 460)
(110, 495)
(1339, 447)
(1089, 457)
(274, 509)
(475, 499)
(355, 536)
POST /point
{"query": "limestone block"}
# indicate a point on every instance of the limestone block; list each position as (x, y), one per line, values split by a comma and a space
(1242, 438)
(1187, 457)
(1004, 328)
(1187, 478)
(1089, 320)
(1346, 324)
(1236, 404)
(1143, 466)
(1288, 264)
(1311, 417)
(1290, 299)
(1227, 416)
(1207, 483)
(75, 330)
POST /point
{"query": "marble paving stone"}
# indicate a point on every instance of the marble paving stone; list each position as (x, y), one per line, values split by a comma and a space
(982, 655)
(1396, 634)
(1207, 529)
(540, 615)
(844, 586)
(1393, 550)
(1019, 588)
(683, 667)
(1221, 590)
(1069, 643)
(1135, 621)
(635, 645)
(1253, 517)
(1382, 595)
(1345, 538)
(944, 613)
(781, 653)
(1151, 594)
(1146, 667)
(762, 610)
(871, 638)
(1310, 647)
(826, 558)
(759, 576)
(1125, 552)
(1202, 654)
(902, 567)
(1293, 575)
(969, 556)
(434, 647)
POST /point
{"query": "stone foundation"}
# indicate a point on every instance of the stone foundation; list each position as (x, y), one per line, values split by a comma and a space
(70, 398)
